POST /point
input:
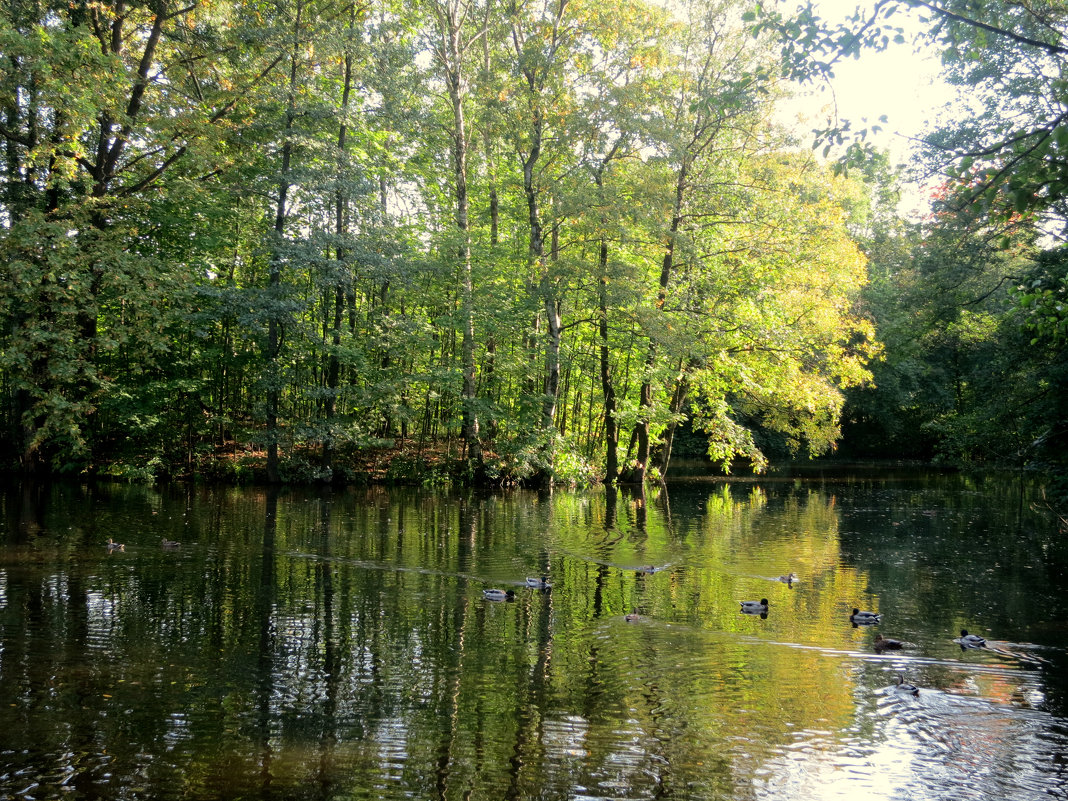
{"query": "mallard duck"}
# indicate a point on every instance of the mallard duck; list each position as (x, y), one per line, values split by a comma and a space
(115, 546)
(864, 618)
(647, 569)
(755, 607)
(971, 640)
(788, 579)
(498, 595)
(170, 545)
(538, 583)
(632, 617)
(886, 644)
(905, 687)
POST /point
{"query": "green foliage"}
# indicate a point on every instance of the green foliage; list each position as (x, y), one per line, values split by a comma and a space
(1004, 145)
(256, 248)
(539, 457)
(964, 379)
(969, 306)
(1042, 297)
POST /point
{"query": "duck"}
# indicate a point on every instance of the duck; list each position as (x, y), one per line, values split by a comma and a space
(886, 644)
(647, 569)
(632, 617)
(755, 607)
(905, 687)
(971, 640)
(859, 618)
(498, 595)
(115, 546)
(538, 583)
(170, 545)
(788, 579)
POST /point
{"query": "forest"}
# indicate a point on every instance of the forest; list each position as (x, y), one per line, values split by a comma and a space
(526, 241)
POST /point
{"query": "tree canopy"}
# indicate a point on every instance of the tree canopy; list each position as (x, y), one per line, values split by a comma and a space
(308, 230)
(539, 240)
(969, 301)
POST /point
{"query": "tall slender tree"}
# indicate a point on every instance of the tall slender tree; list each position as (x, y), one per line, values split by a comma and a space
(457, 32)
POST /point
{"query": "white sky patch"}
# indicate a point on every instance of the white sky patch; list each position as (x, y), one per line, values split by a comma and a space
(899, 82)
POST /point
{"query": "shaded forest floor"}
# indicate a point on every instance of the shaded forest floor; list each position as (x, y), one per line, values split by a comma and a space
(405, 461)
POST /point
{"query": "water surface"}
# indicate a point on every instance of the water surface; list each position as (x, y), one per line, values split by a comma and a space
(336, 645)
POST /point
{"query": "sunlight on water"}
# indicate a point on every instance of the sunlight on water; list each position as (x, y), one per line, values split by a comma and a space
(339, 645)
(940, 747)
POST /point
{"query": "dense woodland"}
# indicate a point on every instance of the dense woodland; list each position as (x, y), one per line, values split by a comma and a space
(508, 241)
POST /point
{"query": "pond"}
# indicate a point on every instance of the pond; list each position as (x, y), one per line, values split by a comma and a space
(338, 645)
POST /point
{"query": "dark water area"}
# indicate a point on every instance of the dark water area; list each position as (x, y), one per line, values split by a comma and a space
(337, 644)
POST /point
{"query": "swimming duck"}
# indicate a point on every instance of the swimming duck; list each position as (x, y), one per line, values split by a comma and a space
(788, 579)
(886, 644)
(632, 617)
(498, 595)
(647, 569)
(755, 607)
(170, 545)
(905, 687)
(971, 640)
(115, 546)
(864, 618)
(538, 583)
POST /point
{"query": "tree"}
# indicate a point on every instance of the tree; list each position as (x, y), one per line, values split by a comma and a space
(544, 231)
(452, 47)
(710, 114)
(938, 297)
(1005, 146)
(102, 106)
(744, 297)
(541, 36)
(969, 302)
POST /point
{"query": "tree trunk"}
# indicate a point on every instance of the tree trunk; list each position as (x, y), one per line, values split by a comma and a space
(554, 332)
(536, 69)
(645, 398)
(274, 320)
(678, 400)
(608, 389)
(452, 59)
(333, 366)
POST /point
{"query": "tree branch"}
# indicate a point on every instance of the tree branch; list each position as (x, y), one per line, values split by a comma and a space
(1049, 47)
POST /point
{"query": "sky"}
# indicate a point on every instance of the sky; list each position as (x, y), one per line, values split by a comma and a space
(898, 82)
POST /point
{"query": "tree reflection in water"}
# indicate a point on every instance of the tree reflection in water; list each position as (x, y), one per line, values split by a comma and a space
(335, 644)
